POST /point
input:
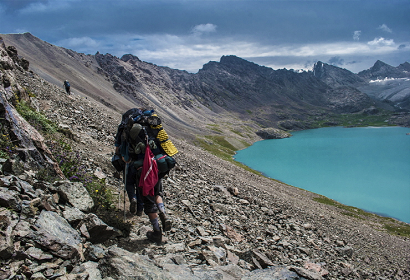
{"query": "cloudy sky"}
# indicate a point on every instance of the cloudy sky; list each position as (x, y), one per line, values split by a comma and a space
(185, 34)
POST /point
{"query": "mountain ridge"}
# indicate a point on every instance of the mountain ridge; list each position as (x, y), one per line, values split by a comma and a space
(230, 89)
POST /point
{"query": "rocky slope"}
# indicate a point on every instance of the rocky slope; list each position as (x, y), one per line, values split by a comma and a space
(228, 223)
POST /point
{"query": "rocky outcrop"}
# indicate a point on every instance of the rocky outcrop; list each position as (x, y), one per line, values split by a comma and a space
(272, 133)
(335, 76)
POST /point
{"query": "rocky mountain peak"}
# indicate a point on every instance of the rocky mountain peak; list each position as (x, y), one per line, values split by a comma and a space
(405, 67)
(381, 70)
(335, 76)
(130, 57)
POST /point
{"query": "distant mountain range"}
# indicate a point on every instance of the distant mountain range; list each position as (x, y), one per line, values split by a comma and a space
(234, 93)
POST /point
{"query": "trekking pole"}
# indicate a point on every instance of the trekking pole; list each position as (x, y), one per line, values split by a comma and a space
(125, 185)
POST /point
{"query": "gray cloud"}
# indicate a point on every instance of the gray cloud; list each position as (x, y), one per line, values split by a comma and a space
(385, 28)
(356, 35)
(336, 61)
(185, 34)
(204, 28)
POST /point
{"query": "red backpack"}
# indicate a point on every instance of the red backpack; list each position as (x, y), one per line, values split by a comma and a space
(149, 175)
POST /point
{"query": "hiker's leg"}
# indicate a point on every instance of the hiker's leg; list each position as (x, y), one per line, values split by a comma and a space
(153, 218)
(135, 201)
(150, 209)
(159, 193)
(165, 220)
(130, 186)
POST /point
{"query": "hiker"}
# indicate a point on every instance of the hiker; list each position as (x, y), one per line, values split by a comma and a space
(67, 87)
(136, 204)
(139, 133)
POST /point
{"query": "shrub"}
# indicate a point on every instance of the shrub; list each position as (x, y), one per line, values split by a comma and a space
(70, 163)
(36, 119)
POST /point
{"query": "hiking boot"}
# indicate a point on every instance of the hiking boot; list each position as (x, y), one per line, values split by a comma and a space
(155, 236)
(133, 205)
(139, 213)
(165, 221)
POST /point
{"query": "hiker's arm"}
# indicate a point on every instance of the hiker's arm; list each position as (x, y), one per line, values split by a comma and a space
(124, 153)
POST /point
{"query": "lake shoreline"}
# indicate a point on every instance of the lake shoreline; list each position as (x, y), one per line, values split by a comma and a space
(289, 159)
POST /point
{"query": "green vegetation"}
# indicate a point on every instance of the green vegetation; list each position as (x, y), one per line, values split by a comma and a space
(36, 119)
(215, 127)
(390, 225)
(402, 229)
(218, 146)
(237, 132)
(70, 163)
(7, 147)
(380, 119)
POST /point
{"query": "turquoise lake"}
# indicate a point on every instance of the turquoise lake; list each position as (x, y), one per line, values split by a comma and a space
(368, 168)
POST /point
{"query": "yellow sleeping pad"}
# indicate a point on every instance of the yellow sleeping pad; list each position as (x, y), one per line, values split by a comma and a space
(166, 144)
(169, 148)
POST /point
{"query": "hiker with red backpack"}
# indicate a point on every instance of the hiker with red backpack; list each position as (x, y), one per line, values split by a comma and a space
(145, 148)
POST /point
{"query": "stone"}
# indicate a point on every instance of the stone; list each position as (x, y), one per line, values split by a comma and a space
(10, 199)
(96, 230)
(201, 231)
(38, 254)
(346, 251)
(175, 248)
(6, 237)
(231, 233)
(76, 194)
(122, 264)
(94, 252)
(308, 274)
(73, 215)
(272, 133)
(194, 243)
(55, 233)
(262, 258)
(271, 273)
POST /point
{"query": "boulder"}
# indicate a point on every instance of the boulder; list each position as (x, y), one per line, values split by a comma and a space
(55, 233)
(76, 194)
(122, 264)
(6, 239)
(96, 230)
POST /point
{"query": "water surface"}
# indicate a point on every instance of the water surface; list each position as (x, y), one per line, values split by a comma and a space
(367, 167)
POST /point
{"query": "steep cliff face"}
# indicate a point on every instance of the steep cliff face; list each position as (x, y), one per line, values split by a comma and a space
(335, 76)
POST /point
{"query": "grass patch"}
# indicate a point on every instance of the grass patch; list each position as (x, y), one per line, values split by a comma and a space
(215, 128)
(218, 146)
(402, 229)
(389, 225)
(36, 119)
(356, 120)
(349, 210)
(236, 132)
(7, 147)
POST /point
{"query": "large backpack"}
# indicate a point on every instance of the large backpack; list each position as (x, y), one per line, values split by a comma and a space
(139, 127)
